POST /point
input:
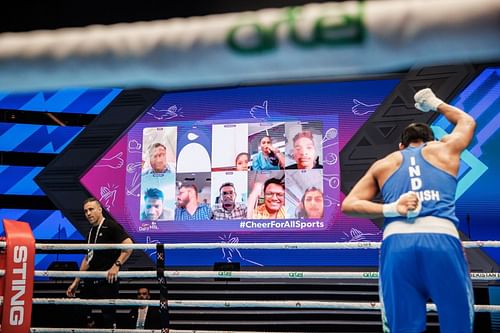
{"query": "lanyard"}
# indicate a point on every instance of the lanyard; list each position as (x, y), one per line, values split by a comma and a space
(96, 234)
(90, 253)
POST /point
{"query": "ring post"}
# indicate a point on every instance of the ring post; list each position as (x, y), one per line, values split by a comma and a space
(2, 278)
(19, 261)
(162, 281)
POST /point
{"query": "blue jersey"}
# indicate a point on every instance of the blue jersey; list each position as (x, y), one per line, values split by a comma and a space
(260, 162)
(434, 187)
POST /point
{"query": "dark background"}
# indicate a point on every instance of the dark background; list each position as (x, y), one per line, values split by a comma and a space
(26, 16)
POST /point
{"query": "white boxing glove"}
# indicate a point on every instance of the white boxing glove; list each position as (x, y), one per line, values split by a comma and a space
(426, 101)
(390, 209)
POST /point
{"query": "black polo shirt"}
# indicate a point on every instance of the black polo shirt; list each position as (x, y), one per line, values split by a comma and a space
(110, 232)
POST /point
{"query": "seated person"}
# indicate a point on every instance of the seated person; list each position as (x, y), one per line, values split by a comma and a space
(242, 162)
(153, 206)
(274, 200)
(311, 204)
(268, 158)
(228, 208)
(304, 152)
(188, 207)
(144, 317)
(158, 160)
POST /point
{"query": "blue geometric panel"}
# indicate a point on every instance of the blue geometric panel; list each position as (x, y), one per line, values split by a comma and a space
(47, 225)
(481, 100)
(468, 173)
(71, 100)
(19, 180)
(479, 173)
(28, 138)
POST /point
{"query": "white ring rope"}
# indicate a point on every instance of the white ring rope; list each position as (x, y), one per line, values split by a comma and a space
(237, 274)
(233, 274)
(261, 246)
(196, 51)
(238, 304)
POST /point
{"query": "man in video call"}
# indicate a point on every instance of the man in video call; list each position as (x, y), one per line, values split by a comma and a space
(188, 207)
(268, 158)
(227, 208)
(274, 200)
(304, 152)
(158, 160)
(154, 209)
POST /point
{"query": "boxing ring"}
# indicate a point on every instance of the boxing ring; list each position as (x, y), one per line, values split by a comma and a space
(17, 278)
(157, 54)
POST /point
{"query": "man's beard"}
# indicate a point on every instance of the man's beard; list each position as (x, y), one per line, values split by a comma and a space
(182, 203)
(153, 217)
(228, 204)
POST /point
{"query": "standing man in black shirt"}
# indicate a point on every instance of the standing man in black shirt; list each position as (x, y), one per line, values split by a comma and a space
(103, 230)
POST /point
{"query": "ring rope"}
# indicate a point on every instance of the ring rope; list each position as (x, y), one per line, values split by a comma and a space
(238, 304)
(269, 246)
(236, 274)
(219, 274)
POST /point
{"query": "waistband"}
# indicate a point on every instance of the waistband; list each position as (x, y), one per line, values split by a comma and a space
(426, 224)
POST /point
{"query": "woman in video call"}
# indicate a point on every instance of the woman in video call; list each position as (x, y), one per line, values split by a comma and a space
(311, 204)
(304, 152)
(268, 158)
(241, 162)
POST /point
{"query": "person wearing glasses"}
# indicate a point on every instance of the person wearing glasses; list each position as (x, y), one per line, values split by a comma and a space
(227, 208)
(274, 200)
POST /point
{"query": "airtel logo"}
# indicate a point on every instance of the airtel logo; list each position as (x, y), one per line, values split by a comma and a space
(18, 288)
(337, 26)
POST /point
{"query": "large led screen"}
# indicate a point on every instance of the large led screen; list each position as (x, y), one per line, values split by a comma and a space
(260, 163)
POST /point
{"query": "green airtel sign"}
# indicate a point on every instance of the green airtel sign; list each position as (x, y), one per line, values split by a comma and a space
(330, 30)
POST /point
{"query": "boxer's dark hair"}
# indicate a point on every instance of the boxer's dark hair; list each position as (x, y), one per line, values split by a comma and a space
(416, 132)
